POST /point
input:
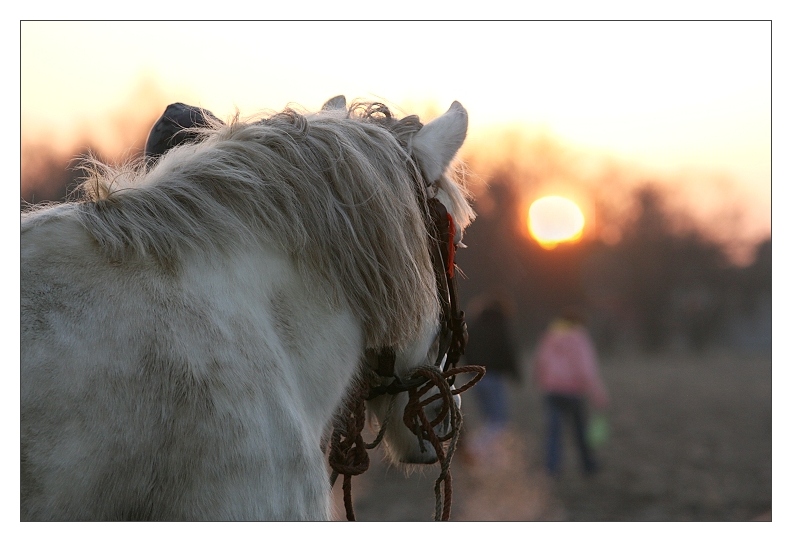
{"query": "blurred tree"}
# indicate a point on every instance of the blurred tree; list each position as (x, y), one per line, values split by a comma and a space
(45, 175)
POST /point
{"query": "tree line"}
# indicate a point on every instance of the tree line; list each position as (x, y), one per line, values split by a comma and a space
(656, 287)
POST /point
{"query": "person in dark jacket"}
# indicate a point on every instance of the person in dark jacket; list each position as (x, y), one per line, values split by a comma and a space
(490, 345)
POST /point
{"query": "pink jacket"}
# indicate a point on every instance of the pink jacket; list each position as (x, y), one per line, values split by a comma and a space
(566, 363)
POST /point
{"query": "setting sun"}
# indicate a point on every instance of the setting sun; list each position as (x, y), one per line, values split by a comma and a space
(702, 129)
(553, 220)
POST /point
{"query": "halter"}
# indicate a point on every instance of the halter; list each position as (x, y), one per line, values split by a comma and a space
(453, 335)
(348, 452)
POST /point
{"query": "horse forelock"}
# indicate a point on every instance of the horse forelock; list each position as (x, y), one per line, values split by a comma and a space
(335, 192)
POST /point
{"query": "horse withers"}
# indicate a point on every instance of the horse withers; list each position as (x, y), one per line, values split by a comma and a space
(190, 327)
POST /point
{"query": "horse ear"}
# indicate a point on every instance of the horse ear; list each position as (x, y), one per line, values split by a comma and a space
(338, 102)
(436, 144)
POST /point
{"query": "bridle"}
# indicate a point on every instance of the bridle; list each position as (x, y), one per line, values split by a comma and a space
(452, 336)
(348, 452)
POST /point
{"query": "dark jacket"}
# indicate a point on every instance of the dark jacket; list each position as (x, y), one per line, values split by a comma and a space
(490, 345)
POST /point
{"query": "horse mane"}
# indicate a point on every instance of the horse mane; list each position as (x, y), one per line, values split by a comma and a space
(336, 191)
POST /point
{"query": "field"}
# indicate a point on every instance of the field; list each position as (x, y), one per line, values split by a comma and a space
(690, 439)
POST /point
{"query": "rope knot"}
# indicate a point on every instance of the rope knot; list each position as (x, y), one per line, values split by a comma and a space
(348, 452)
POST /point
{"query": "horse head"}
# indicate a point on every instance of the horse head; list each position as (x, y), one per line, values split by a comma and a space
(433, 148)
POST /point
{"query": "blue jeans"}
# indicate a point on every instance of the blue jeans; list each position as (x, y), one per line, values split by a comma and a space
(572, 409)
(493, 400)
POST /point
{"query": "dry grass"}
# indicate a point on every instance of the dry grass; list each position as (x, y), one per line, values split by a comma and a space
(690, 440)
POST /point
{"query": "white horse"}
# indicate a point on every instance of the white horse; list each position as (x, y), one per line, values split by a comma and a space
(189, 329)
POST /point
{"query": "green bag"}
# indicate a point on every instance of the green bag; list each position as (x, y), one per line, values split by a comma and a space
(598, 430)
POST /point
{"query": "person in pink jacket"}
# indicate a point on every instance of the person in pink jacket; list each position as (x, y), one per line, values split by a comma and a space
(565, 370)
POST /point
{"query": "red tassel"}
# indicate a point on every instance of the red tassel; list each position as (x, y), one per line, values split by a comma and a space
(451, 245)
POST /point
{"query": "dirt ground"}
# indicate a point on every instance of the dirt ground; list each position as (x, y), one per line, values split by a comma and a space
(690, 439)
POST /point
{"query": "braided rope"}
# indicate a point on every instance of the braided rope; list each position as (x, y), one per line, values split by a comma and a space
(348, 455)
(348, 452)
(416, 420)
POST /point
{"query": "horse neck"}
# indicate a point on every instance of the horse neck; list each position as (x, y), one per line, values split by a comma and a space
(307, 344)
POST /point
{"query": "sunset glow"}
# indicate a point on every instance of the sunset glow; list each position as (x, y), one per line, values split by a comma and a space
(553, 220)
(685, 106)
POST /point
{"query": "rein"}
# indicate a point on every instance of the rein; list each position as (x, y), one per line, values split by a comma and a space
(348, 454)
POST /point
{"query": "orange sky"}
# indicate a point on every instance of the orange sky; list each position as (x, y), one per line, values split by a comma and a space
(688, 99)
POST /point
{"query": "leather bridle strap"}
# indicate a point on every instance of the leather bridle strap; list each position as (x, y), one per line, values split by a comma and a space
(453, 334)
(453, 338)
